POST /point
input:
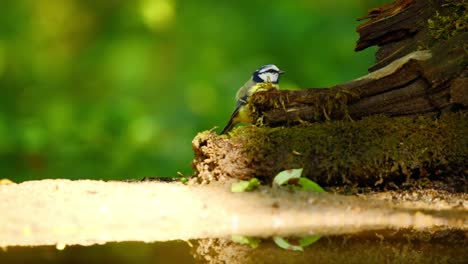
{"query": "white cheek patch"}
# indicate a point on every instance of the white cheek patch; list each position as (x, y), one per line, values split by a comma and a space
(269, 77)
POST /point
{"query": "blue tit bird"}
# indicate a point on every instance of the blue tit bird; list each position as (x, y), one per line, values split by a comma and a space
(265, 78)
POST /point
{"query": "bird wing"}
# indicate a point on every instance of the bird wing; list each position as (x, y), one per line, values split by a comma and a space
(241, 102)
(245, 90)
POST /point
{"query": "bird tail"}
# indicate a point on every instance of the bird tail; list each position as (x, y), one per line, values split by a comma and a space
(228, 127)
(231, 123)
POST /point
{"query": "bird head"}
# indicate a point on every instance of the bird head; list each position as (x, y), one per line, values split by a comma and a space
(267, 73)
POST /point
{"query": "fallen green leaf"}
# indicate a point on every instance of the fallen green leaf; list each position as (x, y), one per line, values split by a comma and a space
(309, 185)
(303, 242)
(309, 240)
(283, 177)
(246, 240)
(245, 186)
(283, 243)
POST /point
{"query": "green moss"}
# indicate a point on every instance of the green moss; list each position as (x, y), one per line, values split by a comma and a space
(372, 151)
(454, 22)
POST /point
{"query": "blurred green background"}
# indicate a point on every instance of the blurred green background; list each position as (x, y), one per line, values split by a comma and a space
(117, 89)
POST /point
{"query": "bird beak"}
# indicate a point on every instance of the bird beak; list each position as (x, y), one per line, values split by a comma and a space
(281, 72)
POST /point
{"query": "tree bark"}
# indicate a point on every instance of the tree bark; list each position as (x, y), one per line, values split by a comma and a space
(419, 80)
(415, 73)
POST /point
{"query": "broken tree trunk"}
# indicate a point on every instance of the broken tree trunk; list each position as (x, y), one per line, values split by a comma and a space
(419, 80)
(415, 73)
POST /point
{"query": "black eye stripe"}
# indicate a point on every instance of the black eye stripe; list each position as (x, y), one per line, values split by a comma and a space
(270, 71)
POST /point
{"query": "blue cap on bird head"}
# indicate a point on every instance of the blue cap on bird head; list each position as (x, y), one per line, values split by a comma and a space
(267, 73)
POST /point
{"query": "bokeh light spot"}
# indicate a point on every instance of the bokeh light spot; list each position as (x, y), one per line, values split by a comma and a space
(158, 14)
(142, 130)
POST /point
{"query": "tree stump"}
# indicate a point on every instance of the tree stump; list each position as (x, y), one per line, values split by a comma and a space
(404, 121)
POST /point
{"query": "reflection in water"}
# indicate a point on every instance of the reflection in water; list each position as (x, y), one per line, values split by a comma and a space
(388, 246)
(115, 253)
(407, 246)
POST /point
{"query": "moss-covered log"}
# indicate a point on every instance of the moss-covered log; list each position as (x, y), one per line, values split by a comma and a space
(405, 120)
(372, 151)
